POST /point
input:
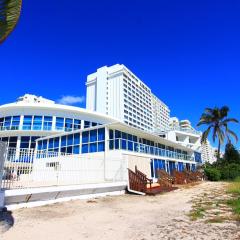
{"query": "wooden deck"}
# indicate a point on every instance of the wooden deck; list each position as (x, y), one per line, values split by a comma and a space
(158, 190)
(139, 182)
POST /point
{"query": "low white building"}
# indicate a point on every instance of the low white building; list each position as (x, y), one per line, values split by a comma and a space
(32, 117)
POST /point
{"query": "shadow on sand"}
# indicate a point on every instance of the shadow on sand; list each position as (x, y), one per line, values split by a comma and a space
(6, 220)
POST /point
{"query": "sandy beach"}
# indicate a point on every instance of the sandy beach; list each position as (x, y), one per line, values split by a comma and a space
(123, 217)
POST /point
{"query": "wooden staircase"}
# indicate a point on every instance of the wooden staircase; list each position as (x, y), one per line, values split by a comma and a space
(138, 182)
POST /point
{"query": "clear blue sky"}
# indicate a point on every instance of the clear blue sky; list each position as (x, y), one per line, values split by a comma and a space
(188, 52)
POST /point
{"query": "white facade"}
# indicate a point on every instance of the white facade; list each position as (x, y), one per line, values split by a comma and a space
(161, 115)
(32, 117)
(117, 92)
(183, 133)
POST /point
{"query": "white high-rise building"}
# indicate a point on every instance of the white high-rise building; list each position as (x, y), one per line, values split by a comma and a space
(161, 114)
(183, 133)
(208, 153)
(117, 92)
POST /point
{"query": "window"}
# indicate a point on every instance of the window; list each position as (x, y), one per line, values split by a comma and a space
(59, 123)
(47, 124)
(37, 123)
(27, 123)
(25, 142)
(1, 123)
(63, 141)
(85, 137)
(56, 142)
(76, 149)
(77, 124)
(7, 123)
(86, 124)
(15, 122)
(76, 138)
(13, 142)
(93, 136)
(68, 124)
(50, 143)
(101, 134)
(69, 140)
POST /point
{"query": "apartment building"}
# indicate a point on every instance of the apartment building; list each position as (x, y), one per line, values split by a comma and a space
(118, 92)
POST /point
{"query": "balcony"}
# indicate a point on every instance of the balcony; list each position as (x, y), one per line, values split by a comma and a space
(126, 145)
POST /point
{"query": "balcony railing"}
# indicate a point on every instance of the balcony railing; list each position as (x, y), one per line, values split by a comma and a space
(126, 145)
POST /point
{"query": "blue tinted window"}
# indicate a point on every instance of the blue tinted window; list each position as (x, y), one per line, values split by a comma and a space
(93, 135)
(124, 135)
(77, 124)
(117, 134)
(111, 147)
(94, 124)
(135, 138)
(44, 144)
(7, 122)
(124, 144)
(111, 134)
(50, 143)
(130, 137)
(37, 122)
(63, 141)
(85, 137)
(86, 124)
(84, 148)
(68, 124)
(76, 149)
(56, 142)
(93, 147)
(39, 145)
(69, 150)
(47, 124)
(76, 138)
(25, 142)
(117, 141)
(59, 123)
(63, 149)
(69, 140)
(48, 118)
(15, 122)
(101, 146)
(27, 123)
(130, 145)
(101, 134)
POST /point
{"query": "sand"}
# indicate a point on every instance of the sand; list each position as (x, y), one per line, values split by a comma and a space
(122, 217)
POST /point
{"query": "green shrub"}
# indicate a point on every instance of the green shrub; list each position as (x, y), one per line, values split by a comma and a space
(212, 174)
(230, 171)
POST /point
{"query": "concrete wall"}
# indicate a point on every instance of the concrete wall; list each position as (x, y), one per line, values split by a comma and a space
(142, 163)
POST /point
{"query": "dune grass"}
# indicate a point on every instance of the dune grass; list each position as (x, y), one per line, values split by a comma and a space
(234, 189)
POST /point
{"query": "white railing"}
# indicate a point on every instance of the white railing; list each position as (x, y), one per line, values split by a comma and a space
(123, 144)
(28, 169)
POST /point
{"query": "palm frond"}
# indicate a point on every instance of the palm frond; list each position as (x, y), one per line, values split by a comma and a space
(9, 16)
(229, 120)
(205, 119)
(220, 135)
(205, 135)
(230, 133)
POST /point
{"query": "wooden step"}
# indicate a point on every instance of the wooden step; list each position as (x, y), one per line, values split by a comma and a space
(158, 190)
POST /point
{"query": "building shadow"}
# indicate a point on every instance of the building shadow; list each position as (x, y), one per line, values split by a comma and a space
(6, 220)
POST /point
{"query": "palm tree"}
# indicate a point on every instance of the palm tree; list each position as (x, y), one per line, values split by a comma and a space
(217, 120)
(9, 16)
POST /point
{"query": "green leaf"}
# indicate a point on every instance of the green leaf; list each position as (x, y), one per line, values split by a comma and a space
(9, 15)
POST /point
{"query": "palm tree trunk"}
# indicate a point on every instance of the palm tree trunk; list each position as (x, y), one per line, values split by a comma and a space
(219, 149)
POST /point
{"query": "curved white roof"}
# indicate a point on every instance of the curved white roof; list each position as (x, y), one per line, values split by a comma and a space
(53, 109)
